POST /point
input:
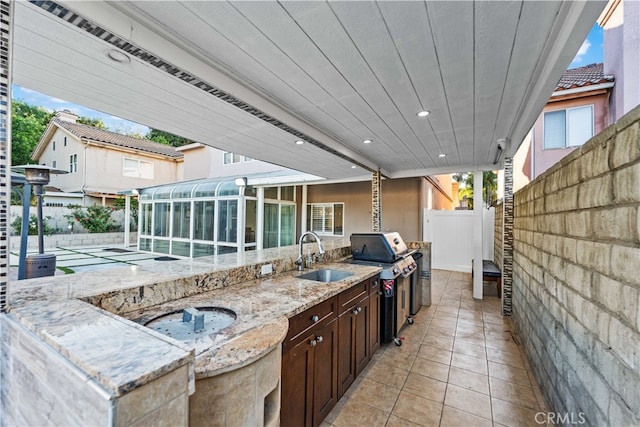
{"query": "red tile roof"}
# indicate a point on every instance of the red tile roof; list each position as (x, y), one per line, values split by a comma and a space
(111, 138)
(583, 76)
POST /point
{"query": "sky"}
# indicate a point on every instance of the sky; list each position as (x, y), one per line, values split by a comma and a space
(590, 52)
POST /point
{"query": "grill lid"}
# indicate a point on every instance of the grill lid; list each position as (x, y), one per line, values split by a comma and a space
(381, 247)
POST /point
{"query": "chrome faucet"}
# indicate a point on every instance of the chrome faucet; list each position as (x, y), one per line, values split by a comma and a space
(300, 261)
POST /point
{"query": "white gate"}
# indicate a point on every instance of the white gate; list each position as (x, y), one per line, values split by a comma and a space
(451, 237)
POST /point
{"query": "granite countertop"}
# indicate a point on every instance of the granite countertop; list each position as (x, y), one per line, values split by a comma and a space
(263, 307)
(121, 354)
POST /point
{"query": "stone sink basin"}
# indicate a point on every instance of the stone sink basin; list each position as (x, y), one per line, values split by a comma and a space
(325, 275)
(192, 323)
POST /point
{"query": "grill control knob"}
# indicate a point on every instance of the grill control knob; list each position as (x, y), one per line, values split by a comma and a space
(395, 270)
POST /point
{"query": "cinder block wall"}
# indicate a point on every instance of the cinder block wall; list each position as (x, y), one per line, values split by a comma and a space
(576, 288)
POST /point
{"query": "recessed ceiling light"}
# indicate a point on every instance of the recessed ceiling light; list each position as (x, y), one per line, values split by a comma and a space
(299, 142)
(442, 155)
(367, 141)
(118, 56)
(423, 113)
(353, 166)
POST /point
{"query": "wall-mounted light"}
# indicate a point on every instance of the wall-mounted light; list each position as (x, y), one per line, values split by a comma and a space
(241, 182)
(502, 146)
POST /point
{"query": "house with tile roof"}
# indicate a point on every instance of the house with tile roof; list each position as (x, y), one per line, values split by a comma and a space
(101, 163)
(577, 110)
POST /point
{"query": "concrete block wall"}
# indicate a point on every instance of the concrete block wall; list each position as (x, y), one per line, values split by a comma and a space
(576, 288)
(70, 240)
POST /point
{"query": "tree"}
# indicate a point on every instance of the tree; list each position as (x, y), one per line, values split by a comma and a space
(28, 123)
(96, 123)
(489, 187)
(167, 138)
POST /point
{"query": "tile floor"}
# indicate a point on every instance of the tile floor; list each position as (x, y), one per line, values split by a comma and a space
(458, 366)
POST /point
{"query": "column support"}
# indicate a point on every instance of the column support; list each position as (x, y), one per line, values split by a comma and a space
(477, 234)
(6, 43)
(376, 202)
(507, 238)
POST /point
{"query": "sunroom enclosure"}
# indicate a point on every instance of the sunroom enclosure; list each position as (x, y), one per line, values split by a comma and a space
(215, 216)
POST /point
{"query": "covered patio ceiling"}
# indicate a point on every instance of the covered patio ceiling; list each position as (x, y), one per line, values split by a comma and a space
(255, 77)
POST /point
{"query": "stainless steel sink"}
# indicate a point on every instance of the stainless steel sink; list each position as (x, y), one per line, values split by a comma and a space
(325, 275)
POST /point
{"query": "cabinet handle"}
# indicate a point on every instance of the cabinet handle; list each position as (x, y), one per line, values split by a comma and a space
(315, 318)
(319, 339)
(379, 292)
(354, 311)
(313, 343)
(359, 309)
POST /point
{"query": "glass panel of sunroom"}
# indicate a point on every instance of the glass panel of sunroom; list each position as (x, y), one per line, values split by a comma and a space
(227, 220)
(161, 219)
(181, 219)
(200, 249)
(287, 224)
(203, 220)
(250, 221)
(228, 188)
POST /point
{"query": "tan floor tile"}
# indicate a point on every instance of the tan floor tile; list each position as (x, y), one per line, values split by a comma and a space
(476, 328)
(509, 373)
(418, 410)
(469, 349)
(448, 323)
(431, 369)
(510, 414)
(357, 414)
(441, 332)
(336, 410)
(438, 341)
(506, 358)
(426, 387)
(387, 374)
(399, 357)
(466, 400)
(510, 392)
(376, 394)
(325, 424)
(469, 363)
(477, 340)
(452, 417)
(395, 421)
(469, 380)
(504, 346)
(435, 353)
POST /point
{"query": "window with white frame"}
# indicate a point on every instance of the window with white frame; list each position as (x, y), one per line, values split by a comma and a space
(230, 158)
(326, 218)
(137, 168)
(568, 128)
(73, 163)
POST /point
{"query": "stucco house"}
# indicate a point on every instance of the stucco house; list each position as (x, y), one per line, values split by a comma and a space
(212, 215)
(577, 110)
(101, 163)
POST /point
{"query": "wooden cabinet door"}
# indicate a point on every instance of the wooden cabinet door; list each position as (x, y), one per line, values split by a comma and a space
(346, 365)
(325, 372)
(296, 408)
(374, 316)
(361, 336)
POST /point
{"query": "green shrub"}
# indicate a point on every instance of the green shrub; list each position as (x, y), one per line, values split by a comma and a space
(33, 225)
(95, 219)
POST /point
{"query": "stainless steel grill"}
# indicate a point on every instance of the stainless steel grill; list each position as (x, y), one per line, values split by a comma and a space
(390, 252)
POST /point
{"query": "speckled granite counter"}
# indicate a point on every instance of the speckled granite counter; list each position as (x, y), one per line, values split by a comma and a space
(82, 316)
(262, 307)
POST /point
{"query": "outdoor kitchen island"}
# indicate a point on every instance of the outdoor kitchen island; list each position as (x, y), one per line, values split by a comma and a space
(68, 346)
